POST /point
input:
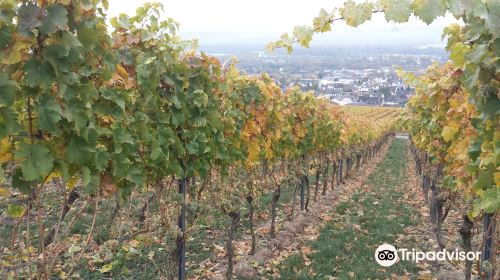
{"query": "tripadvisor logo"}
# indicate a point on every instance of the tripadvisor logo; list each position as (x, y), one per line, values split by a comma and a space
(386, 255)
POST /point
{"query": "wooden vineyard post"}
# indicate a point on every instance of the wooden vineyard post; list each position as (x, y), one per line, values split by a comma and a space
(181, 240)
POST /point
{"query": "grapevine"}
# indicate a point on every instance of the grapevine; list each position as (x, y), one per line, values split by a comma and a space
(453, 117)
(95, 116)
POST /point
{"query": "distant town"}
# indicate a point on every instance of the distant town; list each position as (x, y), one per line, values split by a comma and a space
(357, 75)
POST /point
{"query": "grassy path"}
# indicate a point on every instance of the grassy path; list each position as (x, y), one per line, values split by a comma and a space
(375, 214)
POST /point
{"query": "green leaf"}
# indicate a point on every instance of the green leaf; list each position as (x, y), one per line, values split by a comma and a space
(458, 52)
(15, 211)
(429, 10)
(57, 55)
(36, 161)
(115, 96)
(90, 180)
(119, 165)
(62, 168)
(38, 73)
(156, 150)
(397, 10)
(7, 12)
(87, 36)
(493, 19)
(199, 121)
(86, 4)
(478, 53)
(2, 176)
(79, 152)
(192, 147)
(485, 178)
(200, 99)
(459, 7)
(75, 112)
(56, 19)
(49, 113)
(5, 36)
(101, 158)
(69, 41)
(177, 117)
(475, 150)
(19, 183)
(303, 34)
(8, 90)
(121, 136)
(490, 202)
(136, 175)
(9, 121)
(177, 103)
(492, 106)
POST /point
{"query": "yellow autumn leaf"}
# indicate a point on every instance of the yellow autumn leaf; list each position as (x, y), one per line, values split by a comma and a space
(5, 155)
(253, 152)
(107, 119)
(72, 182)
(449, 132)
(458, 150)
(106, 268)
(122, 72)
(51, 176)
(4, 192)
(18, 52)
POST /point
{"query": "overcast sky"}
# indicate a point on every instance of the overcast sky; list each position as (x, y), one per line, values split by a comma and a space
(259, 21)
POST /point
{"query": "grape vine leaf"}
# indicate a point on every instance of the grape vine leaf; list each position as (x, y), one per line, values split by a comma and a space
(79, 151)
(397, 10)
(136, 175)
(303, 34)
(478, 53)
(484, 178)
(458, 52)
(49, 113)
(87, 36)
(7, 12)
(457, 7)
(156, 150)
(489, 202)
(493, 19)
(491, 106)
(9, 121)
(8, 90)
(19, 183)
(56, 19)
(37, 73)
(36, 161)
(121, 136)
(15, 211)
(321, 23)
(356, 14)
(28, 18)
(449, 132)
(90, 180)
(429, 10)
(5, 36)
